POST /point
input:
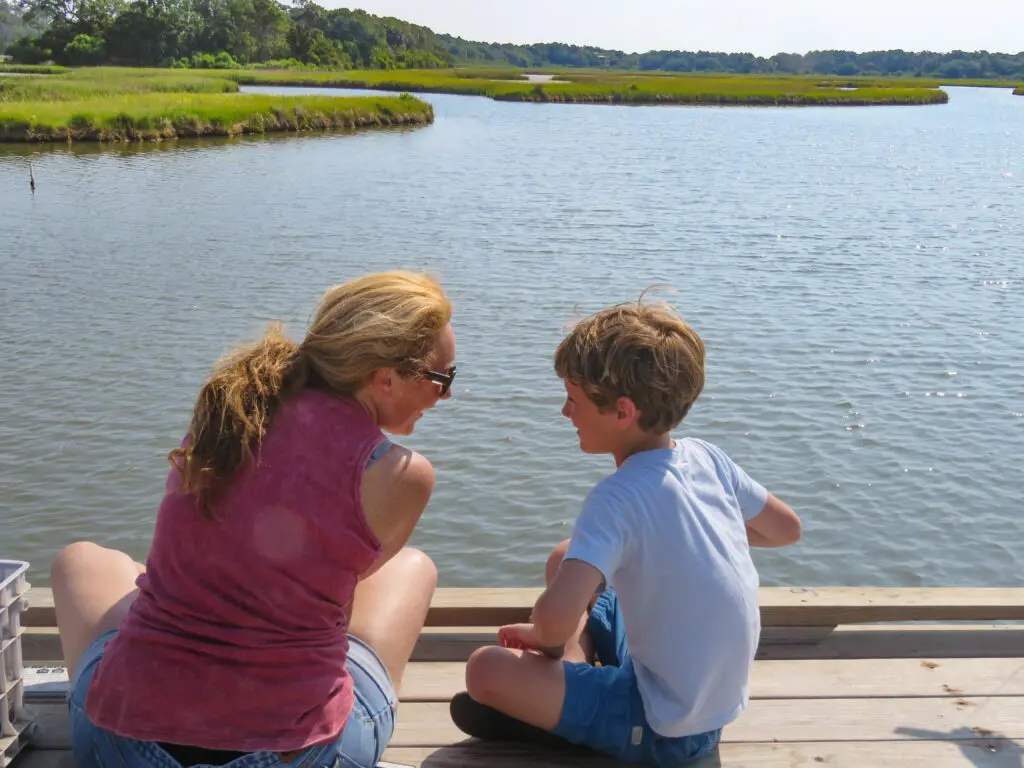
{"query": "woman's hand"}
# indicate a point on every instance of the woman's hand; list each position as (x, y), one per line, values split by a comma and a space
(523, 637)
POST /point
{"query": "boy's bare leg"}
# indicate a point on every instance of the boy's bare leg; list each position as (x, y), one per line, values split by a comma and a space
(528, 686)
(523, 685)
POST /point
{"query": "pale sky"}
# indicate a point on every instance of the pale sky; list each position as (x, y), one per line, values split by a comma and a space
(762, 27)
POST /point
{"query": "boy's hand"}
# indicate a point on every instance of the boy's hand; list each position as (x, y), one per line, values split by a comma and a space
(523, 637)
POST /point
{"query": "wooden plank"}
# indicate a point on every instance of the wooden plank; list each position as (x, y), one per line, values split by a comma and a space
(981, 753)
(447, 644)
(42, 644)
(44, 758)
(428, 724)
(845, 642)
(908, 642)
(40, 608)
(854, 605)
(815, 679)
(784, 720)
(457, 643)
(780, 606)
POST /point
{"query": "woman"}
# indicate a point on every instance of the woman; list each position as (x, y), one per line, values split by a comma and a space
(278, 606)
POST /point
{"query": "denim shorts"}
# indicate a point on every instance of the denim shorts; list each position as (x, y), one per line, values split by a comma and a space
(360, 745)
(603, 709)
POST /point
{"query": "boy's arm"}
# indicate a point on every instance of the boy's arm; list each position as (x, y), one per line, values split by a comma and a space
(556, 616)
(774, 526)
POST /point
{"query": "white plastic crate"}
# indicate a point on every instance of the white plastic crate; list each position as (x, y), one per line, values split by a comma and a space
(14, 719)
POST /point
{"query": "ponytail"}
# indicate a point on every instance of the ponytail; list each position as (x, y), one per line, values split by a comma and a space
(233, 411)
(382, 320)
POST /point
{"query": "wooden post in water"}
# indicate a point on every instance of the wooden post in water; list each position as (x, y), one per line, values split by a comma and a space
(31, 178)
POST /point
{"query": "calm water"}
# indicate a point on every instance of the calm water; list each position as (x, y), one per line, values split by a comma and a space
(856, 273)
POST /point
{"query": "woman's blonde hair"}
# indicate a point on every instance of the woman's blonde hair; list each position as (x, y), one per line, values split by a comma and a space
(647, 353)
(382, 320)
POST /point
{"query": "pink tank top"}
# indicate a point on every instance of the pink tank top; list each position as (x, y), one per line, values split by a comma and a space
(237, 638)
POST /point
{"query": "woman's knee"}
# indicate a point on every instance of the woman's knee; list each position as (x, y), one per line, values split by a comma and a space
(555, 560)
(419, 566)
(73, 559)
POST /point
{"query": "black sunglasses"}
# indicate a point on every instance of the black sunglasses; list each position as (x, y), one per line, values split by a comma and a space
(444, 378)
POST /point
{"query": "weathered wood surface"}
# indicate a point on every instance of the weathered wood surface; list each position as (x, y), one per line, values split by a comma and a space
(948, 718)
(980, 753)
(936, 695)
(805, 679)
(443, 644)
(780, 606)
(808, 679)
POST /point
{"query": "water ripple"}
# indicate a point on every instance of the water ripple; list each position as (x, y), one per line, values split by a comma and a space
(855, 274)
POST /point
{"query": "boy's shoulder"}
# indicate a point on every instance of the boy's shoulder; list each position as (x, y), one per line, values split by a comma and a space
(684, 451)
(695, 457)
(695, 447)
(625, 485)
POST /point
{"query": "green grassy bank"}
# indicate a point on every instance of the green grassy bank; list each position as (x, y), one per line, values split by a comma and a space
(619, 88)
(108, 104)
(119, 104)
(147, 117)
(103, 82)
(33, 69)
(1019, 91)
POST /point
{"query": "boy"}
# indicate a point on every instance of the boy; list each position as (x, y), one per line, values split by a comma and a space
(669, 532)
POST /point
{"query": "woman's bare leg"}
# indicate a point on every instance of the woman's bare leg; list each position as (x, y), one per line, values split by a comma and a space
(390, 608)
(93, 587)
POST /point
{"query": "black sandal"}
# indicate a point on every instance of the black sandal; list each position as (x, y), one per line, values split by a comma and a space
(483, 722)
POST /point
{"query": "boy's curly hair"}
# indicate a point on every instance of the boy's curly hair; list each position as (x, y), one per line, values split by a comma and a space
(647, 353)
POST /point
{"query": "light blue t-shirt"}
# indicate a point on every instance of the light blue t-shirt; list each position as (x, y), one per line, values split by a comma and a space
(667, 530)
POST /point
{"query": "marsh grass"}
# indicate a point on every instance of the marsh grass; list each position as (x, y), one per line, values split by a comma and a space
(152, 116)
(624, 87)
(33, 69)
(118, 104)
(411, 80)
(109, 81)
(983, 83)
(490, 73)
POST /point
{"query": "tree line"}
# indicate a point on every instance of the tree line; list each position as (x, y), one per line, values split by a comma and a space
(13, 25)
(162, 33)
(953, 65)
(230, 33)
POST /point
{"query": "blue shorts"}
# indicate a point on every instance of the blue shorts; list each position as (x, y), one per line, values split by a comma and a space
(360, 744)
(603, 709)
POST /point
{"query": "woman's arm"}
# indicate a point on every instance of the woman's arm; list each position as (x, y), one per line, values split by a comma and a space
(395, 492)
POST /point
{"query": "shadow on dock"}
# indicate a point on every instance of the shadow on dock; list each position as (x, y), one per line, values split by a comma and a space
(982, 747)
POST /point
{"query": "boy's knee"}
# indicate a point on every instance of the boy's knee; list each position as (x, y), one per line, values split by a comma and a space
(483, 672)
(554, 560)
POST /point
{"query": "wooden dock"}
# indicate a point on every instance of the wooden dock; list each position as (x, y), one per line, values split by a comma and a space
(840, 680)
